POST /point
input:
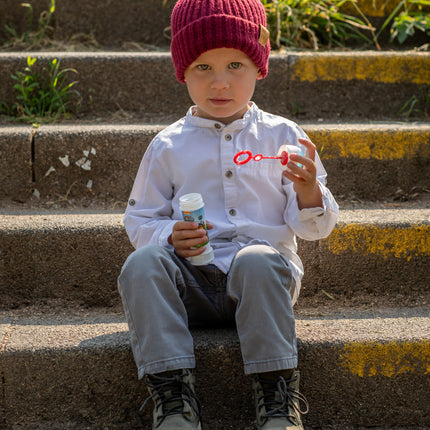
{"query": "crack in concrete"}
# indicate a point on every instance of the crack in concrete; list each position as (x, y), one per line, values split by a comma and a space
(33, 155)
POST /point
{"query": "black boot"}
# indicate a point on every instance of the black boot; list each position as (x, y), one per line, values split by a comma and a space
(277, 400)
(175, 403)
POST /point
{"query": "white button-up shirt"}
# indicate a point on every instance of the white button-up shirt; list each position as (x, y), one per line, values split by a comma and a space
(247, 204)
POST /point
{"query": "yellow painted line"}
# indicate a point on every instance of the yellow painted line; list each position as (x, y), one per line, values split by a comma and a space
(380, 144)
(386, 359)
(384, 241)
(371, 8)
(381, 67)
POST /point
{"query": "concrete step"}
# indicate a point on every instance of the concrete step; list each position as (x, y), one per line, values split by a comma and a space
(308, 86)
(76, 371)
(138, 21)
(365, 161)
(374, 256)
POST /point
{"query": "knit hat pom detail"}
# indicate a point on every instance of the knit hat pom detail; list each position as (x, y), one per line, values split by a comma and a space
(201, 25)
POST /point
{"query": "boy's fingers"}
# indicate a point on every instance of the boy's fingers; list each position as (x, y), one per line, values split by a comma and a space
(185, 253)
(298, 174)
(311, 149)
(189, 234)
(300, 159)
(189, 243)
(185, 225)
(181, 237)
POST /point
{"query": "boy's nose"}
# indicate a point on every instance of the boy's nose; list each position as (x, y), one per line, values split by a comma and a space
(219, 82)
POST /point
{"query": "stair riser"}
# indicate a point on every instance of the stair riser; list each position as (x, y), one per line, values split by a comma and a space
(374, 260)
(89, 385)
(370, 164)
(133, 20)
(305, 86)
(82, 264)
(111, 25)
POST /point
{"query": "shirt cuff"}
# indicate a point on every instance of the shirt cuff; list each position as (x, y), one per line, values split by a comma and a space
(323, 219)
(165, 233)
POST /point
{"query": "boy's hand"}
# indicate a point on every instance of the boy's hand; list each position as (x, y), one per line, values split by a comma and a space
(186, 234)
(305, 177)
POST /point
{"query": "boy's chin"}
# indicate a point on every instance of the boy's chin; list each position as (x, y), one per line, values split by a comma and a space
(222, 115)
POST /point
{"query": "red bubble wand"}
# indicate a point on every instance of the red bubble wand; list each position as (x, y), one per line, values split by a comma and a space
(245, 156)
(283, 157)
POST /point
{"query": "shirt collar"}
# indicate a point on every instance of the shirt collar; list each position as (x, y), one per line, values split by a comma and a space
(239, 124)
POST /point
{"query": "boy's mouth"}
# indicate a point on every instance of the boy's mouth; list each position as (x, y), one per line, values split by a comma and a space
(219, 101)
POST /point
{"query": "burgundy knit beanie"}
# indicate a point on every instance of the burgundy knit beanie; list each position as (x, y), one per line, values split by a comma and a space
(201, 25)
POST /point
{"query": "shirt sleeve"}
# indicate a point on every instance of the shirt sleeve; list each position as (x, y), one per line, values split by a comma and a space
(311, 223)
(148, 217)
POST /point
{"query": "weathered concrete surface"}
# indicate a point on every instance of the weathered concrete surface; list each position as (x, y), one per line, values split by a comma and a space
(356, 369)
(394, 245)
(112, 23)
(139, 21)
(75, 257)
(344, 85)
(373, 161)
(16, 16)
(107, 171)
(78, 257)
(364, 161)
(15, 163)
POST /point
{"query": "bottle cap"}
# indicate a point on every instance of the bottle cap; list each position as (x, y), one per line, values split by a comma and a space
(190, 202)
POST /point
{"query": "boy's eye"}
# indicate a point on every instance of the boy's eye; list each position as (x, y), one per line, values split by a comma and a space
(235, 65)
(203, 67)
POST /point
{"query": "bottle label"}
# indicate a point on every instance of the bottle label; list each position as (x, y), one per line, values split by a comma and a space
(197, 216)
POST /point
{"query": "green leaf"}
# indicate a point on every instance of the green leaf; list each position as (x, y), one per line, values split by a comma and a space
(30, 61)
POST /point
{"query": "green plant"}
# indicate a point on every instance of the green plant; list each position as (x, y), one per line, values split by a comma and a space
(417, 103)
(30, 39)
(295, 108)
(42, 95)
(407, 17)
(315, 24)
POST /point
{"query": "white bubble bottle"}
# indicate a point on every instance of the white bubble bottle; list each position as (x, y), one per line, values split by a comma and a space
(284, 155)
(192, 208)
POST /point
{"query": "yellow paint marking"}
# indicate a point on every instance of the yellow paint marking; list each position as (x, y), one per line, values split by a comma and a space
(382, 67)
(384, 241)
(371, 8)
(386, 359)
(381, 145)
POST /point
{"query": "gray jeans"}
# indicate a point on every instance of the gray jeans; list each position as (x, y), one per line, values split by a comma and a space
(163, 295)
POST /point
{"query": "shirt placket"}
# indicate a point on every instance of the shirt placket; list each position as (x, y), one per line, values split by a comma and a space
(227, 145)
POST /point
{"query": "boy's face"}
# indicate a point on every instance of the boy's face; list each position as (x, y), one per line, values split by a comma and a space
(221, 83)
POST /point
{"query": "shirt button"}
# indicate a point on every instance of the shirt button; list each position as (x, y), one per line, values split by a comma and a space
(229, 174)
(228, 137)
(217, 126)
(232, 212)
(131, 202)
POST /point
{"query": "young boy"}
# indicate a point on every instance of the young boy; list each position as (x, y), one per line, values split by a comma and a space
(220, 48)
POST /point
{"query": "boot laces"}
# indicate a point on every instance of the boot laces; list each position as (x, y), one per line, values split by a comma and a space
(278, 407)
(172, 404)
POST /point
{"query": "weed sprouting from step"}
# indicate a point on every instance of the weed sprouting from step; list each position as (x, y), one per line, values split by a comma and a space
(295, 108)
(32, 39)
(45, 95)
(311, 24)
(43, 38)
(417, 104)
(407, 17)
